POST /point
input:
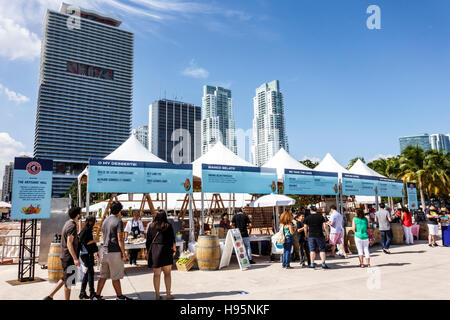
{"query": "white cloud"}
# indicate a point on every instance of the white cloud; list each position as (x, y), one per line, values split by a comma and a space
(13, 96)
(312, 159)
(381, 156)
(195, 72)
(17, 42)
(10, 148)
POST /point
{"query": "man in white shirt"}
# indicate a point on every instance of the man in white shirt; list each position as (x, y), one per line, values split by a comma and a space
(133, 229)
(336, 231)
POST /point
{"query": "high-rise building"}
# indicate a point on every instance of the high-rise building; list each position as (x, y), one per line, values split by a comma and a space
(437, 141)
(85, 91)
(269, 126)
(174, 131)
(7, 182)
(421, 140)
(141, 133)
(440, 142)
(217, 118)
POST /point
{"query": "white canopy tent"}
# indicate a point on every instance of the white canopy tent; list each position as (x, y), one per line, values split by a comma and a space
(329, 164)
(5, 204)
(218, 154)
(283, 160)
(360, 167)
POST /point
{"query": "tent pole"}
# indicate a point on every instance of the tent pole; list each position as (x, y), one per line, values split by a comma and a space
(191, 220)
(377, 203)
(202, 213)
(165, 203)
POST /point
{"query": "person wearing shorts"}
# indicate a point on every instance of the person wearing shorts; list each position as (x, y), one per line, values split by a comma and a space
(360, 226)
(336, 231)
(69, 253)
(433, 226)
(315, 226)
(113, 253)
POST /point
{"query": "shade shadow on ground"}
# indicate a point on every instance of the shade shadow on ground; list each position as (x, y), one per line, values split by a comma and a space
(150, 295)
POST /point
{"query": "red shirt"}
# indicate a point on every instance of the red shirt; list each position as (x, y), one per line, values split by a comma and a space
(407, 219)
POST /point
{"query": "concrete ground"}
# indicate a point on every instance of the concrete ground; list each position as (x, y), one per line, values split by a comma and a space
(410, 272)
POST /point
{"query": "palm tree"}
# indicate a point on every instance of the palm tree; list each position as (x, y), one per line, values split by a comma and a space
(438, 165)
(352, 161)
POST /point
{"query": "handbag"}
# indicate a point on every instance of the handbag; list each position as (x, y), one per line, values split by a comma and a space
(149, 261)
(281, 238)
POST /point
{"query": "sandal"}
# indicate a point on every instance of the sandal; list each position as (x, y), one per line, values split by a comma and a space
(361, 265)
(169, 297)
(158, 298)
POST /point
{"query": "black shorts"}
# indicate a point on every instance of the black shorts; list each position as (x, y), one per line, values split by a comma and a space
(66, 263)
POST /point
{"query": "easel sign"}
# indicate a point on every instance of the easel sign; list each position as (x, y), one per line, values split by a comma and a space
(234, 240)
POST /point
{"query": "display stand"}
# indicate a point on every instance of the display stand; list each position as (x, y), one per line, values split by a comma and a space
(234, 241)
(27, 250)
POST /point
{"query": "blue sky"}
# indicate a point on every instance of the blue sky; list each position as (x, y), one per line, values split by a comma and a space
(348, 90)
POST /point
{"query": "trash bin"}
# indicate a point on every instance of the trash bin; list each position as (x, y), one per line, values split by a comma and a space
(445, 234)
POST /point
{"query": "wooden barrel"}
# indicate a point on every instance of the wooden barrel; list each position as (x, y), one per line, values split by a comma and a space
(397, 233)
(423, 231)
(55, 270)
(350, 239)
(208, 252)
(377, 235)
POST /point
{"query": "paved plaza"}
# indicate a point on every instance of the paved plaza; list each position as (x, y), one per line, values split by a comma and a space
(410, 272)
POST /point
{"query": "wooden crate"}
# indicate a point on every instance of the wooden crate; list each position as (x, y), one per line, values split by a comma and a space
(187, 266)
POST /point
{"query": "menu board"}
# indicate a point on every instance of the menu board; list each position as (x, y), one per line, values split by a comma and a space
(32, 189)
(362, 185)
(117, 176)
(413, 204)
(310, 182)
(390, 187)
(238, 179)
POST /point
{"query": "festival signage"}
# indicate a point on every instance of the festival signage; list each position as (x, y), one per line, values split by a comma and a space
(361, 185)
(238, 179)
(310, 182)
(413, 204)
(32, 189)
(116, 176)
(390, 187)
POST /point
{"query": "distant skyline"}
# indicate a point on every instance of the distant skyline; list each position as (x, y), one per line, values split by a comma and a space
(347, 90)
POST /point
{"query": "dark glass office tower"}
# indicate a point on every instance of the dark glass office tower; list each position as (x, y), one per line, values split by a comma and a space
(85, 91)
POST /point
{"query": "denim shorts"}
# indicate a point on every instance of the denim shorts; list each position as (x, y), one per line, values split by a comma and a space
(316, 242)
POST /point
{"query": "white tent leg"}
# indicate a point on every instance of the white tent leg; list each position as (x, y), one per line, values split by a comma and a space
(165, 203)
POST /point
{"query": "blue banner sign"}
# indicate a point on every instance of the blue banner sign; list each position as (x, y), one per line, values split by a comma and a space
(413, 204)
(238, 179)
(117, 176)
(390, 187)
(361, 185)
(32, 189)
(310, 182)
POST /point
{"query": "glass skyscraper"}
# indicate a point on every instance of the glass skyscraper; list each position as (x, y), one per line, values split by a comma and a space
(269, 127)
(217, 118)
(174, 130)
(421, 140)
(85, 91)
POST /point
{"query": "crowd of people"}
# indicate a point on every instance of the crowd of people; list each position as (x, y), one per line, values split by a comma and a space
(311, 231)
(308, 232)
(80, 247)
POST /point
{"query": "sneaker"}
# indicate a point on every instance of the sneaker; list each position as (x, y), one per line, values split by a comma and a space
(312, 265)
(252, 262)
(388, 251)
(289, 267)
(48, 298)
(83, 295)
(435, 245)
(123, 298)
(430, 245)
(324, 266)
(97, 297)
